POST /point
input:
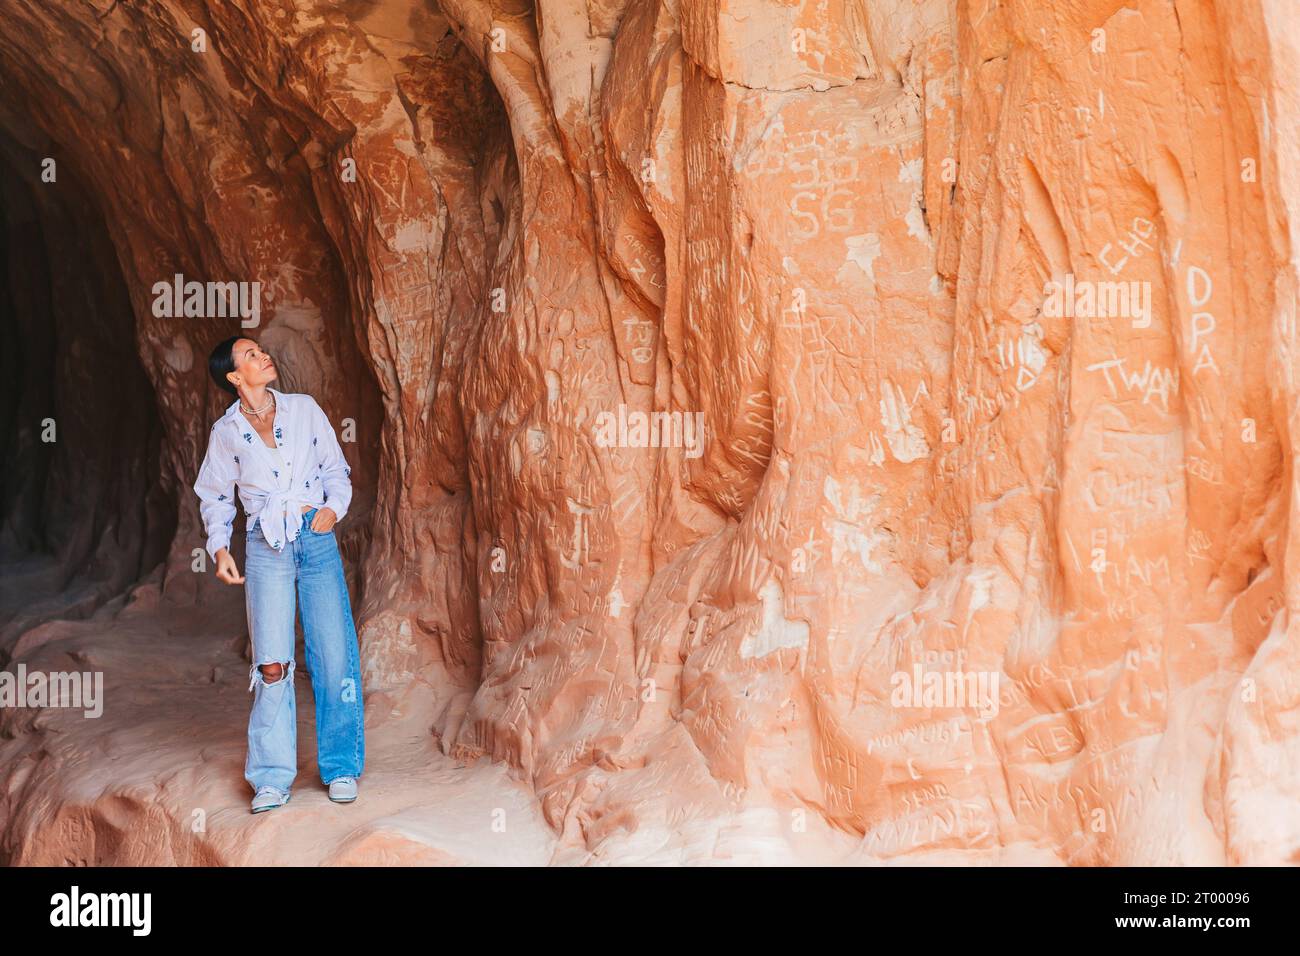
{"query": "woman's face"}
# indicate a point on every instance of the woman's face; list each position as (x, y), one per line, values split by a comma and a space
(253, 367)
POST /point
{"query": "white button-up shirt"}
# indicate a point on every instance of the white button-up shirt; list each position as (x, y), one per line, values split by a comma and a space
(237, 454)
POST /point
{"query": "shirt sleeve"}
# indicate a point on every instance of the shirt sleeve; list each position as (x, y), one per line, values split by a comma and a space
(336, 476)
(216, 490)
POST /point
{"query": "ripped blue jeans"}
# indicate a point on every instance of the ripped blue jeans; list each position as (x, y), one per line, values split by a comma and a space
(311, 566)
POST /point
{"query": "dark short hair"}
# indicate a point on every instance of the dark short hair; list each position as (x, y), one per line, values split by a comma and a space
(221, 361)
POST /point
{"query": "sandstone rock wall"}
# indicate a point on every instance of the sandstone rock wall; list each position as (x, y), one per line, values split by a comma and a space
(830, 233)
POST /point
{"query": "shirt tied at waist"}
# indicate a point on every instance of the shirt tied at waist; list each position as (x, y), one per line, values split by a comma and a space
(274, 520)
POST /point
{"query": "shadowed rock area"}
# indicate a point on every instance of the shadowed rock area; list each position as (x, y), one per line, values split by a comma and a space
(853, 432)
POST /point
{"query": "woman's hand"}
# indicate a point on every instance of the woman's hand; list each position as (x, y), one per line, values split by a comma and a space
(324, 520)
(227, 570)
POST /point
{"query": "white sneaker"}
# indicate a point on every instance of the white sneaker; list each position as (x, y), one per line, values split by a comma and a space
(268, 798)
(343, 790)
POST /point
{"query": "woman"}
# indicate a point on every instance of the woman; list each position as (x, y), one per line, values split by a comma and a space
(295, 485)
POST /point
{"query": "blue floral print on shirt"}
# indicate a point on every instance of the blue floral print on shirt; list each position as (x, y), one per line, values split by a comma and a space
(216, 482)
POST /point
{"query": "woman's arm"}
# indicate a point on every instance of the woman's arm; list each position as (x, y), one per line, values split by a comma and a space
(336, 476)
(216, 490)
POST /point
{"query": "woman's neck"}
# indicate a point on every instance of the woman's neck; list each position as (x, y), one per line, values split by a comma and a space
(254, 397)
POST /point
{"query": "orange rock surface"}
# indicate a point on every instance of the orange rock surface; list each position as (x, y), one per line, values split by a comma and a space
(858, 431)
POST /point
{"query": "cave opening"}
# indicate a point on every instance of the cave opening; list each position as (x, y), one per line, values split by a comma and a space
(82, 512)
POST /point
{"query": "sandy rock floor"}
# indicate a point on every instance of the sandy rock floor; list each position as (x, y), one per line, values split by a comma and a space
(158, 777)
